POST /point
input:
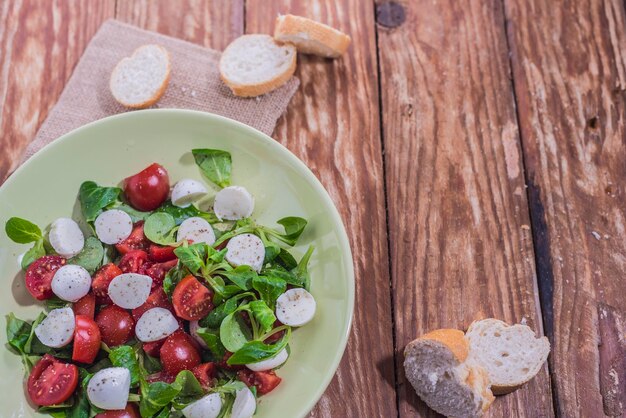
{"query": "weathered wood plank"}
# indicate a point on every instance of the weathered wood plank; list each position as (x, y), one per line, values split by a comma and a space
(569, 66)
(332, 124)
(40, 43)
(460, 240)
(210, 23)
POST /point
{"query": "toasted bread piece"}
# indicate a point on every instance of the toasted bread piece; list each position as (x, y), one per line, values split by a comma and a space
(311, 37)
(256, 64)
(436, 367)
(140, 80)
(511, 354)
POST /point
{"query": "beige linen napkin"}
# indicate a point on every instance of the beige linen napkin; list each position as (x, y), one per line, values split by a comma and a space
(194, 84)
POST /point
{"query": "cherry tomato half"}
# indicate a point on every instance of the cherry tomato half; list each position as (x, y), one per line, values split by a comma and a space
(129, 412)
(86, 340)
(179, 353)
(85, 306)
(51, 381)
(101, 281)
(133, 261)
(157, 271)
(205, 373)
(116, 325)
(39, 276)
(136, 241)
(265, 382)
(148, 189)
(153, 348)
(192, 301)
(160, 377)
(160, 254)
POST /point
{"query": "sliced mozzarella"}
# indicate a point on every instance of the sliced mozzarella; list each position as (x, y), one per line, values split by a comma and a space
(193, 327)
(113, 226)
(233, 203)
(207, 407)
(109, 388)
(245, 404)
(246, 249)
(155, 324)
(66, 237)
(196, 230)
(187, 191)
(270, 363)
(71, 282)
(57, 330)
(295, 307)
(130, 290)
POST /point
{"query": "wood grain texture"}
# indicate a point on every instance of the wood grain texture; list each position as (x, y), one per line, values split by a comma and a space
(40, 43)
(569, 67)
(460, 240)
(210, 23)
(332, 124)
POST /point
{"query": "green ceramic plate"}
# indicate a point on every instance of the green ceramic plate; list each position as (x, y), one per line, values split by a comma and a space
(106, 151)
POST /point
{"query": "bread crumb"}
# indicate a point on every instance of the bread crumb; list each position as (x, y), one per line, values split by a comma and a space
(596, 235)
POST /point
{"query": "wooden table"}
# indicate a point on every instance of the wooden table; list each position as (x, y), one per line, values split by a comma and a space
(476, 150)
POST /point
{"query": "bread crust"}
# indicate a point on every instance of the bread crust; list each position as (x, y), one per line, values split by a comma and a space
(454, 339)
(304, 33)
(257, 89)
(157, 95)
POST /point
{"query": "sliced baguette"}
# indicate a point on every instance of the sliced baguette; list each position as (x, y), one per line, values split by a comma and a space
(311, 37)
(140, 80)
(436, 367)
(511, 355)
(256, 64)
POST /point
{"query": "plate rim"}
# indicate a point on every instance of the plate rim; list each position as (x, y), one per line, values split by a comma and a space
(303, 168)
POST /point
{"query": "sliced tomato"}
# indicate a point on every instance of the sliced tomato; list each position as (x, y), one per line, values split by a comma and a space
(157, 299)
(129, 412)
(39, 276)
(51, 381)
(157, 272)
(205, 373)
(275, 337)
(153, 348)
(133, 261)
(136, 241)
(116, 325)
(192, 301)
(178, 353)
(148, 189)
(101, 281)
(85, 306)
(86, 340)
(160, 254)
(223, 363)
(265, 382)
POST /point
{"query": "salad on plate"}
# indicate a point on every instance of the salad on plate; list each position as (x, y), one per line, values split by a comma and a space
(155, 307)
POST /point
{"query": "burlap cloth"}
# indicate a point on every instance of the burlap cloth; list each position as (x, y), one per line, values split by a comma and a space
(194, 84)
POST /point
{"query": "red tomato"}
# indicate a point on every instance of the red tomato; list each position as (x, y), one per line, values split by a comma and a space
(133, 261)
(136, 241)
(153, 348)
(157, 271)
(51, 382)
(157, 299)
(148, 189)
(179, 353)
(101, 281)
(160, 377)
(223, 363)
(192, 301)
(205, 373)
(85, 306)
(275, 337)
(161, 254)
(129, 412)
(265, 382)
(39, 276)
(86, 340)
(116, 325)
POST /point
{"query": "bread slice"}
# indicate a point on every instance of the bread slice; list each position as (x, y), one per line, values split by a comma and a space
(311, 37)
(511, 355)
(436, 367)
(140, 80)
(256, 64)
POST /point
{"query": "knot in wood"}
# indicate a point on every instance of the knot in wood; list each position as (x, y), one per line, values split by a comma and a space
(390, 14)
